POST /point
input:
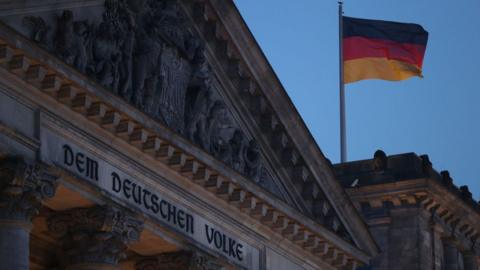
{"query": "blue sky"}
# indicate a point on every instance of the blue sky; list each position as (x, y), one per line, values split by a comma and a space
(437, 115)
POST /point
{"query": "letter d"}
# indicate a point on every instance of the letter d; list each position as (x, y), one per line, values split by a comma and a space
(67, 155)
(116, 182)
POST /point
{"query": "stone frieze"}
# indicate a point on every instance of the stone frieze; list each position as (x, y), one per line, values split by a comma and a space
(144, 52)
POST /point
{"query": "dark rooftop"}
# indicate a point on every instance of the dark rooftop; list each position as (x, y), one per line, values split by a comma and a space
(382, 169)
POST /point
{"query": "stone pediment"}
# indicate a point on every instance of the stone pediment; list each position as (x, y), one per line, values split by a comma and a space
(180, 63)
(146, 53)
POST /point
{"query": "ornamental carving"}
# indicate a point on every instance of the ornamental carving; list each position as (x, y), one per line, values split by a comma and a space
(144, 52)
(182, 260)
(97, 235)
(23, 186)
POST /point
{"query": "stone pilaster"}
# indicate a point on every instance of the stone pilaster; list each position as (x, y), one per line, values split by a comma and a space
(379, 227)
(453, 259)
(437, 246)
(410, 239)
(23, 186)
(470, 261)
(94, 238)
(182, 260)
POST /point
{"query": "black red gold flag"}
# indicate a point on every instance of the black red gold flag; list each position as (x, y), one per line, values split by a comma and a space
(374, 49)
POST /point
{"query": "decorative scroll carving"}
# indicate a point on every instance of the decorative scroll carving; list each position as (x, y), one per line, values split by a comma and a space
(143, 51)
(97, 235)
(183, 260)
(23, 185)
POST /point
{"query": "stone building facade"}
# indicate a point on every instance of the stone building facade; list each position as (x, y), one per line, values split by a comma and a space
(153, 134)
(418, 217)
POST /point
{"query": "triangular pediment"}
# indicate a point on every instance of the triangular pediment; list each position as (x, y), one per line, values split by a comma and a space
(148, 54)
(198, 71)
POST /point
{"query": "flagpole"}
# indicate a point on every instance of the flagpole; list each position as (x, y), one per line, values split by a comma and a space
(343, 135)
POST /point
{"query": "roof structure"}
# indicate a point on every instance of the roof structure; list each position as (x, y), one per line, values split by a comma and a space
(220, 117)
(408, 181)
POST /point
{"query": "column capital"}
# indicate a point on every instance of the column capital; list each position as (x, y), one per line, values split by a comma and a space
(94, 236)
(23, 186)
(181, 260)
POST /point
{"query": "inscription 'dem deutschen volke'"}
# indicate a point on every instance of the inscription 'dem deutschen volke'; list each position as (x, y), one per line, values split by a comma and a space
(152, 202)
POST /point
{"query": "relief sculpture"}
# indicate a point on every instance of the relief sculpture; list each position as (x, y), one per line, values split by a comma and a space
(144, 52)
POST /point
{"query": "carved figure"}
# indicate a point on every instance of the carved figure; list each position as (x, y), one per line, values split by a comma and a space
(69, 41)
(175, 72)
(127, 14)
(198, 105)
(143, 51)
(105, 53)
(252, 161)
(198, 100)
(145, 64)
(380, 161)
(201, 74)
(38, 29)
(238, 151)
(175, 65)
(218, 121)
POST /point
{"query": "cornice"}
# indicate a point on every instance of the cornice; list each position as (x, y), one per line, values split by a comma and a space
(66, 86)
(445, 208)
(280, 127)
(12, 8)
(400, 170)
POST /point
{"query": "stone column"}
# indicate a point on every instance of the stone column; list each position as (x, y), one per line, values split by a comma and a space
(470, 261)
(23, 186)
(379, 228)
(437, 246)
(182, 260)
(451, 255)
(409, 239)
(94, 238)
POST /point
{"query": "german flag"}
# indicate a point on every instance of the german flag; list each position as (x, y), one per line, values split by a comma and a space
(374, 49)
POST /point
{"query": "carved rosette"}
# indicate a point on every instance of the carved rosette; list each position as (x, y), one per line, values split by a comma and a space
(182, 260)
(97, 235)
(23, 186)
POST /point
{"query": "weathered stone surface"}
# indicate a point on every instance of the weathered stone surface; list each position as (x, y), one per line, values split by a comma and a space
(183, 260)
(23, 186)
(395, 168)
(293, 155)
(94, 236)
(145, 52)
(419, 218)
(14, 247)
(415, 250)
(380, 233)
(470, 261)
(453, 258)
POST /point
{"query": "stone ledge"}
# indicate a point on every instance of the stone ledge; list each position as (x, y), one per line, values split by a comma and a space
(232, 187)
(443, 208)
(219, 33)
(398, 168)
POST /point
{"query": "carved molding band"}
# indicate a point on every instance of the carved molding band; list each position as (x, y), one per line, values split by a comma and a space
(275, 214)
(97, 235)
(183, 260)
(23, 186)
